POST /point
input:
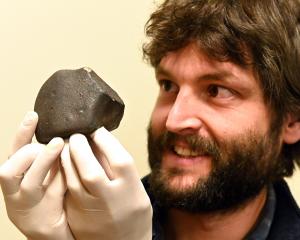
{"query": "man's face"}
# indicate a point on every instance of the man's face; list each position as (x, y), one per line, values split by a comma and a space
(209, 141)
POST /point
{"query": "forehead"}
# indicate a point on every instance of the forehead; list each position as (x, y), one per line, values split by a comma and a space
(190, 62)
(187, 54)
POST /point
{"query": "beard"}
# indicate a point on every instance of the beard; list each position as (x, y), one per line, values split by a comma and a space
(240, 168)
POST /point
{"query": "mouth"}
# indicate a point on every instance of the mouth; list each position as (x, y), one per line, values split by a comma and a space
(186, 152)
(189, 161)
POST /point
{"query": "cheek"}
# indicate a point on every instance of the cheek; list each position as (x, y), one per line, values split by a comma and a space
(236, 121)
(158, 118)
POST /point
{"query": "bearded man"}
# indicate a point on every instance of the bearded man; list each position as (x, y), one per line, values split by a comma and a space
(223, 134)
(225, 127)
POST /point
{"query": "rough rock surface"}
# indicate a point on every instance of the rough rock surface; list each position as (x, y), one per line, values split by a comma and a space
(76, 101)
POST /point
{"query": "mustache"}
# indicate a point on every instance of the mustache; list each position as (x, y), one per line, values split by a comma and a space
(194, 142)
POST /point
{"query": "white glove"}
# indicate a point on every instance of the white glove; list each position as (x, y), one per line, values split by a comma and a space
(33, 186)
(105, 198)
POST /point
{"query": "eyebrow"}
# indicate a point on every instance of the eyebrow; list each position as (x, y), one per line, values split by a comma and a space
(217, 75)
(161, 70)
(223, 75)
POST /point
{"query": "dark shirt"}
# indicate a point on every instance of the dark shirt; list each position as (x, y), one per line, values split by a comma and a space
(263, 226)
(279, 219)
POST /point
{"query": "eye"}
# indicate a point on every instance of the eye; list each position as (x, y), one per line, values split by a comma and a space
(216, 91)
(168, 86)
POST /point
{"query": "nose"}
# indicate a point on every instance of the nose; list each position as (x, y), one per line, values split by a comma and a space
(183, 117)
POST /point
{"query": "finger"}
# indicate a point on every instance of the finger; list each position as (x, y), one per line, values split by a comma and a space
(102, 160)
(25, 132)
(12, 171)
(35, 176)
(57, 187)
(89, 170)
(52, 173)
(119, 159)
(74, 184)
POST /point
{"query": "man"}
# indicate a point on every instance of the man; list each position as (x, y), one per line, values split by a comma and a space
(224, 132)
(225, 129)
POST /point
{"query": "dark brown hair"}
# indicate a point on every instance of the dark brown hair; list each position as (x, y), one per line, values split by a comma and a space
(232, 30)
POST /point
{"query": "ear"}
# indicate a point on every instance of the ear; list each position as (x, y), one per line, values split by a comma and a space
(291, 130)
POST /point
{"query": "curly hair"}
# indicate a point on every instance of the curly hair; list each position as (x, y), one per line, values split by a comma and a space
(233, 30)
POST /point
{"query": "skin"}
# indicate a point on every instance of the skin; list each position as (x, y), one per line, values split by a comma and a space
(216, 100)
(186, 105)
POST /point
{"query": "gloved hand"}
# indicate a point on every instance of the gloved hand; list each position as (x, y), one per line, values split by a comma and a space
(105, 198)
(33, 186)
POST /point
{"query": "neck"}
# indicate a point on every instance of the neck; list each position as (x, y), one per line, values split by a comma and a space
(233, 225)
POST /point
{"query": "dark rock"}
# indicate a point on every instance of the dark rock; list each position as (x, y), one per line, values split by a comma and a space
(76, 101)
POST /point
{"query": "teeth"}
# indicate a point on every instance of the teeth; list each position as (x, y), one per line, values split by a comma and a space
(185, 152)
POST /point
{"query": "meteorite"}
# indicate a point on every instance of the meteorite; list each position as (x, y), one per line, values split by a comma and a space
(76, 101)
